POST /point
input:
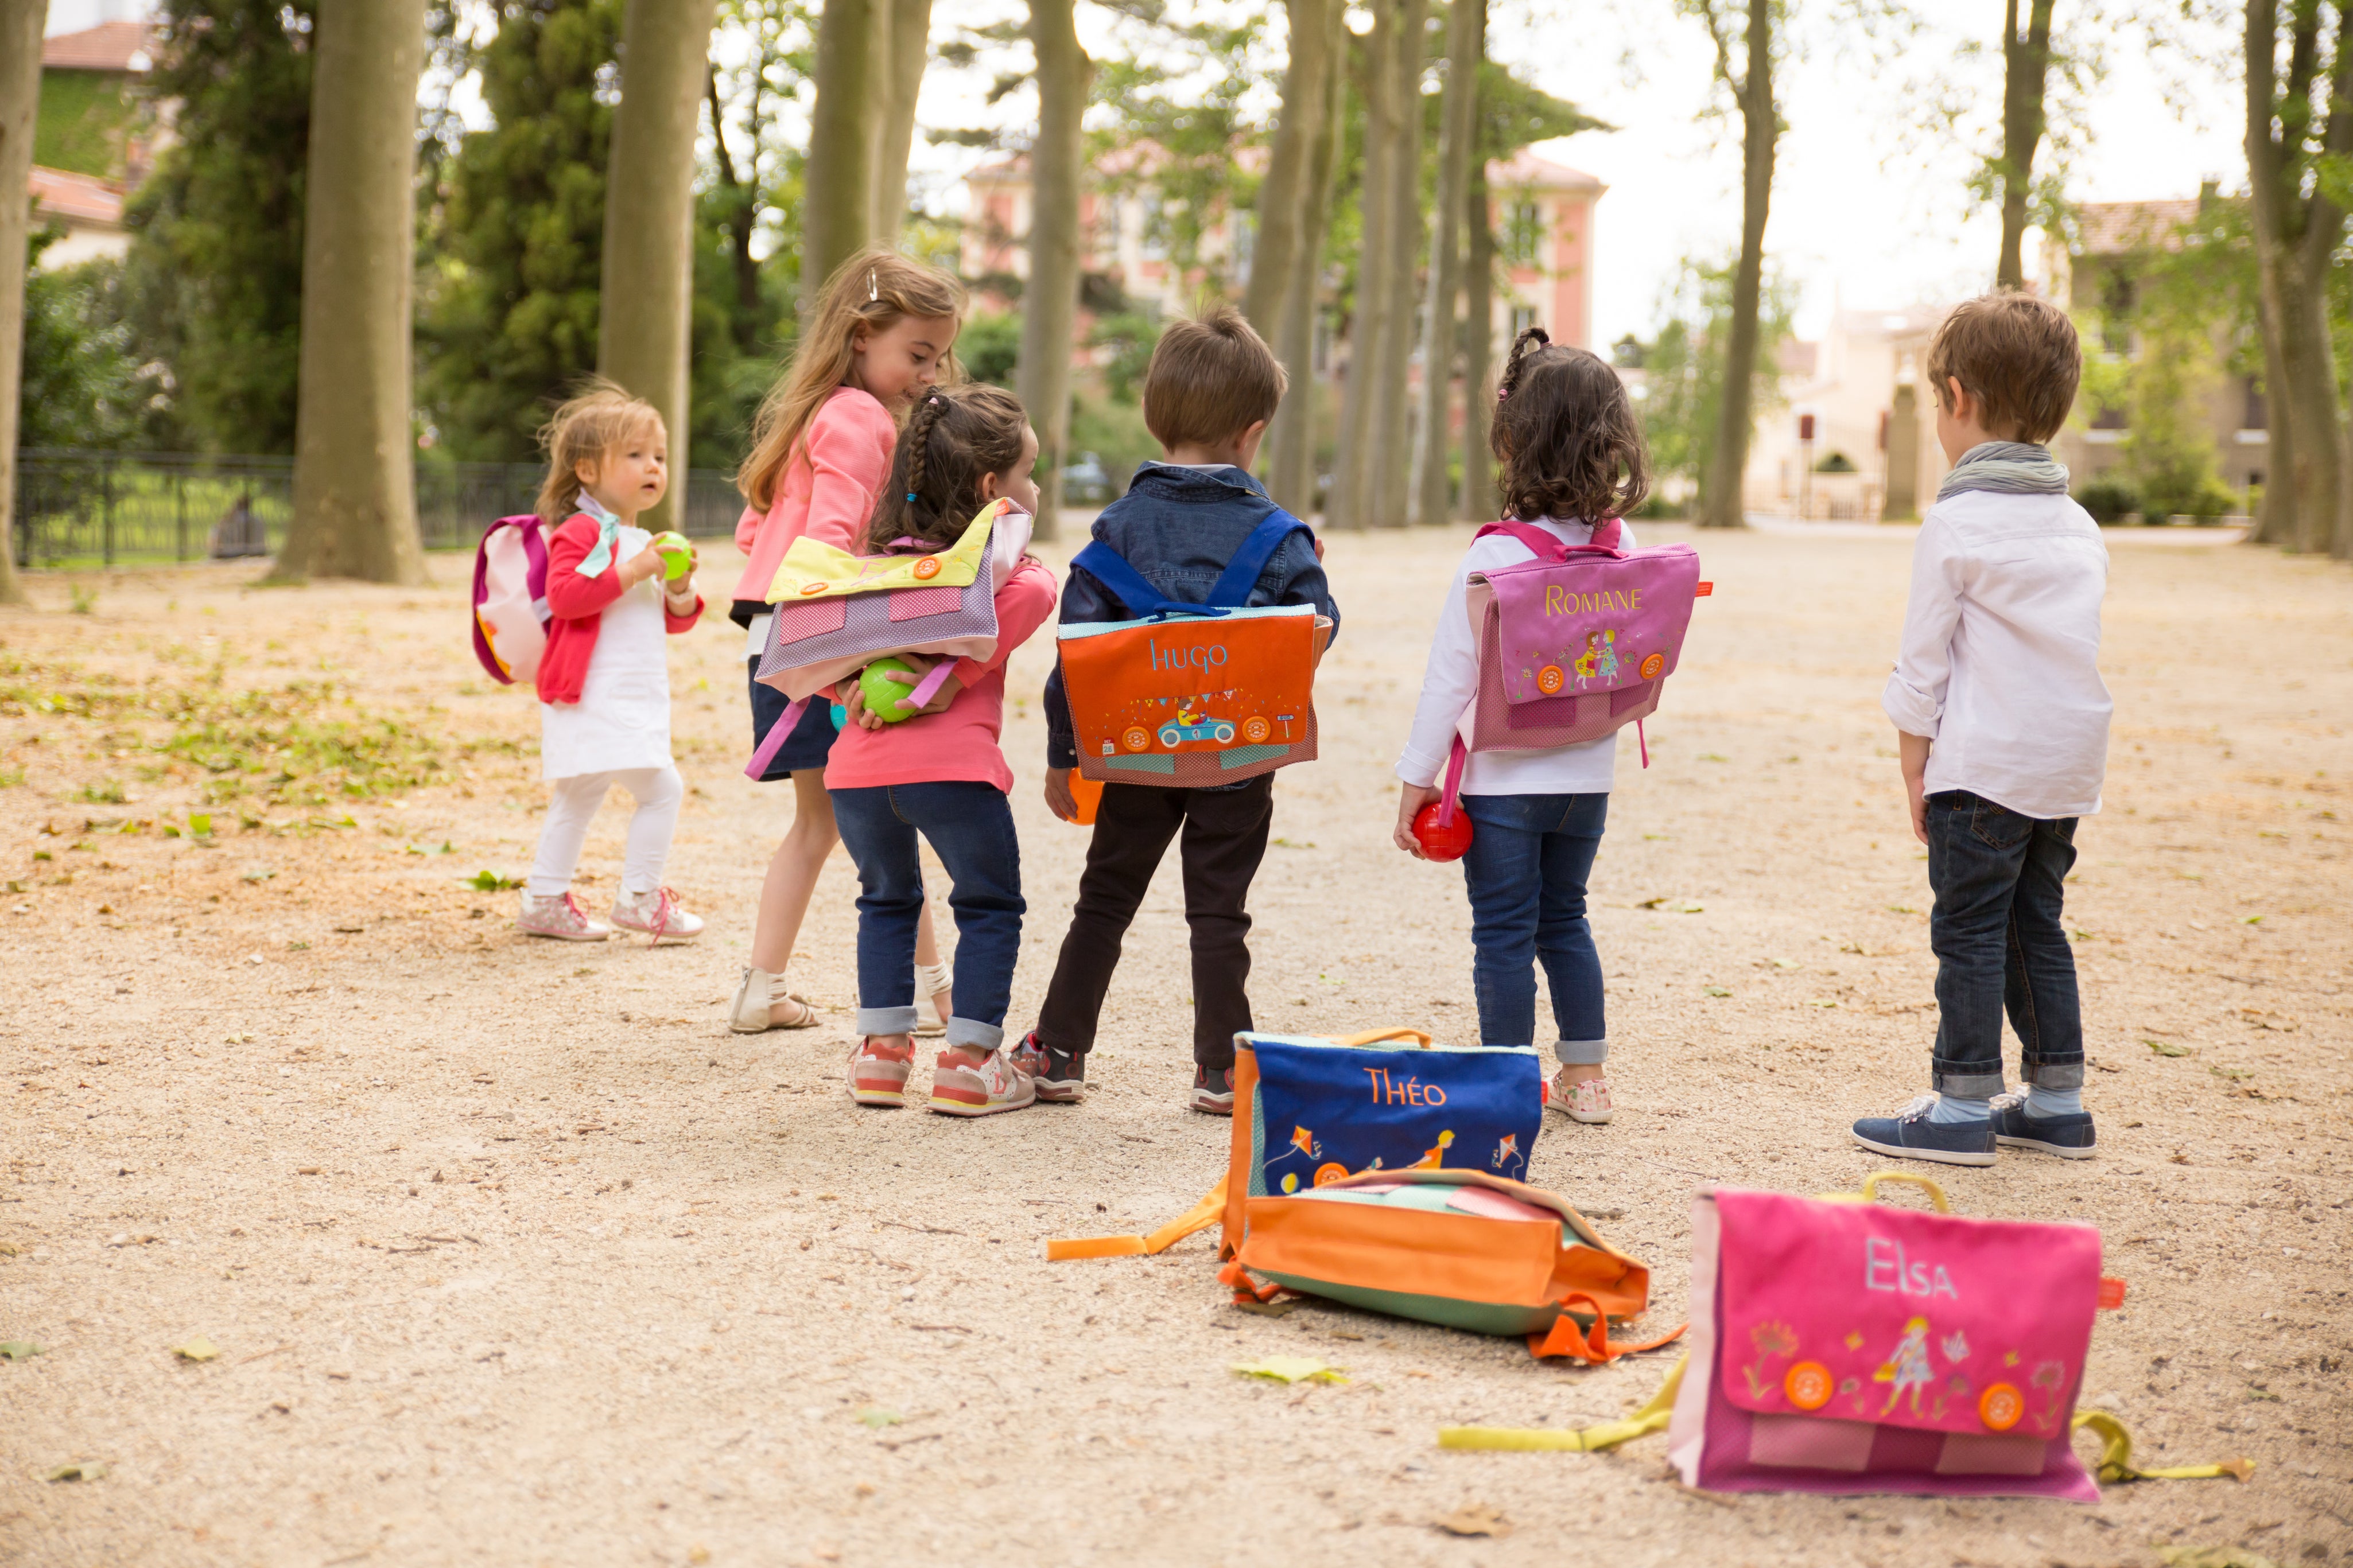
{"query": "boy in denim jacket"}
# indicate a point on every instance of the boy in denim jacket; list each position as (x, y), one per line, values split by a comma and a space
(2002, 721)
(1211, 387)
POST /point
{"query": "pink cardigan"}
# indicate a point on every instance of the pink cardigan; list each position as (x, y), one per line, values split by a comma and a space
(578, 604)
(826, 493)
(962, 742)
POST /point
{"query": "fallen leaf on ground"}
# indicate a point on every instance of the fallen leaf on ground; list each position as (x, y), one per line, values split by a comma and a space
(197, 1349)
(19, 1349)
(1474, 1519)
(1289, 1369)
(80, 1471)
(1717, 991)
(2167, 1047)
(878, 1417)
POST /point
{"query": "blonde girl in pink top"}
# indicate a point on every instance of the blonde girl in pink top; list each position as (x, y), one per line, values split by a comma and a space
(878, 339)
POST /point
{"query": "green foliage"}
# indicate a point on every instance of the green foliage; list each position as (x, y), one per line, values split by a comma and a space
(1114, 431)
(989, 347)
(80, 387)
(84, 118)
(1129, 336)
(213, 284)
(508, 313)
(2108, 499)
(1684, 365)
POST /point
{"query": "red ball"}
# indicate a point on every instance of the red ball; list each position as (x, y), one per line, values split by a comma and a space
(1443, 840)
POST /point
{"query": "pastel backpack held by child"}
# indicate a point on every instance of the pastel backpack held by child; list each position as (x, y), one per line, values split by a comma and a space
(836, 613)
(1188, 695)
(511, 613)
(1380, 1170)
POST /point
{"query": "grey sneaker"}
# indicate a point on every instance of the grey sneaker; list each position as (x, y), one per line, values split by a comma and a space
(560, 917)
(1910, 1135)
(1060, 1076)
(1213, 1090)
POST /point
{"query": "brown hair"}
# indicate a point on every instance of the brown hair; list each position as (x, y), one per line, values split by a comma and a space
(1210, 377)
(582, 430)
(2018, 358)
(1566, 435)
(956, 436)
(876, 289)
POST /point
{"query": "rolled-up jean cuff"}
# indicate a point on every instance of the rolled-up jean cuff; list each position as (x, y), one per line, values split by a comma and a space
(1972, 1083)
(876, 1021)
(1581, 1053)
(2058, 1077)
(973, 1034)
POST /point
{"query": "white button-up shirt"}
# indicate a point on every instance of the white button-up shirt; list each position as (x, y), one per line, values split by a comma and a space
(1999, 664)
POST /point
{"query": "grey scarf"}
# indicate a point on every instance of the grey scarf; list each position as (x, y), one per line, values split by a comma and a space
(2007, 467)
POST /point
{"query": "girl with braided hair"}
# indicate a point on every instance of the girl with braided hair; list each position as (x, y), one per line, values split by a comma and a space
(941, 775)
(1572, 465)
(879, 336)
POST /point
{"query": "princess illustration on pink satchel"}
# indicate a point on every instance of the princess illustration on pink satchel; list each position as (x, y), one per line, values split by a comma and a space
(1907, 1367)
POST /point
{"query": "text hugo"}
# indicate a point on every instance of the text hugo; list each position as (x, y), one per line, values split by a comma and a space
(1560, 601)
(1208, 656)
(1388, 1091)
(1885, 1268)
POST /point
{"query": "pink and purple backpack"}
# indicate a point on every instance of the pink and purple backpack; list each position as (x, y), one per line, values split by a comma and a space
(511, 614)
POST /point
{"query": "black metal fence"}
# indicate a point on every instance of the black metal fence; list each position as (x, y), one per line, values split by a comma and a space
(79, 507)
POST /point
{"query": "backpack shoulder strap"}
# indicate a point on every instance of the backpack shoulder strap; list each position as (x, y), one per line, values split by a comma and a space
(1242, 574)
(1128, 586)
(1546, 546)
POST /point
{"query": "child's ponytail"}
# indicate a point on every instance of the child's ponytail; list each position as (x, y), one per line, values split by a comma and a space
(956, 436)
(1564, 435)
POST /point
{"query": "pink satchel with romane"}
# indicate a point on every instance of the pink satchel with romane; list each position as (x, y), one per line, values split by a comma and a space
(1579, 642)
(1856, 1347)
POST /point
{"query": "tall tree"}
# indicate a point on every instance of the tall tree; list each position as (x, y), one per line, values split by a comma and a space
(1282, 198)
(1751, 85)
(355, 463)
(1476, 498)
(1050, 300)
(1392, 406)
(648, 278)
(2025, 67)
(2299, 135)
(1295, 420)
(1466, 50)
(1354, 472)
(509, 326)
(838, 210)
(213, 282)
(20, 110)
(904, 29)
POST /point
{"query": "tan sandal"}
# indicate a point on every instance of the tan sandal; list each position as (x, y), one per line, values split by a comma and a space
(757, 1000)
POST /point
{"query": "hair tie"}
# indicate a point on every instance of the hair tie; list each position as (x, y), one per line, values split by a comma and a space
(1501, 392)
(911, 495)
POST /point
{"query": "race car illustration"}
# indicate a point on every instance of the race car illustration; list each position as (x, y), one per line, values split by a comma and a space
(1190, 726)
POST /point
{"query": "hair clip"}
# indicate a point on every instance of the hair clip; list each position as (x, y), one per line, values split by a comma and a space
(873, 292)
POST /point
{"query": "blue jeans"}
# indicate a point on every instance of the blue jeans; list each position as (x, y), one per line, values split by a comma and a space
(971, 828)
(1529, 858)
(2001, 945)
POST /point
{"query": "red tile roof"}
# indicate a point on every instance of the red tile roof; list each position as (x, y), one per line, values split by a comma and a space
(2118, 228)
(109, 46)
(56, 193)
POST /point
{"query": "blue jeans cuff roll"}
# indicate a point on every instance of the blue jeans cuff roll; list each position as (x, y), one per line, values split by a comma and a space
(875, 1021)
(973, 1034)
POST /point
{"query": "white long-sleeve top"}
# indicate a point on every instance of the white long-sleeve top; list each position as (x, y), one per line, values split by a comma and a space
(1452, 681)
(1999, 663)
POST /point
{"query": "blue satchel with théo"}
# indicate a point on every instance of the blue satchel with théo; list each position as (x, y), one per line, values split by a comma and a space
(1185, 695)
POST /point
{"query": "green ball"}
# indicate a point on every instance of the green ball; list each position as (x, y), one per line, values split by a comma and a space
(885, 699)
(677, 559)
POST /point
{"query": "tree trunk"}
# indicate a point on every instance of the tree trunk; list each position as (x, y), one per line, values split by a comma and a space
(20, 103)
(904, 30)
(743, 211)
(1050, 300)
(1281, 213)
(1441, 337)
(1393, 405)
(837, 203)
(647, 296)
(2276, 514)
(1353, 471)
(1294, 433)
(2295, 236)
(2026, 64)
(1479, 501)
(1721, 502)
(355, 454)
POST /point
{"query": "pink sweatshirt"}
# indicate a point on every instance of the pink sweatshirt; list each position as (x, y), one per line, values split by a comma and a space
(827, 491)
(962, 742)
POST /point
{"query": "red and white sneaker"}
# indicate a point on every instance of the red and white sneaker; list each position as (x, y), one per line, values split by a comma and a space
(560, 917)
(658, 916)
(878, 1071)
(968, 1082)
(1587, 1101)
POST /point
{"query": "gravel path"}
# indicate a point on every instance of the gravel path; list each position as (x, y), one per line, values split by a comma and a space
(512, 1254)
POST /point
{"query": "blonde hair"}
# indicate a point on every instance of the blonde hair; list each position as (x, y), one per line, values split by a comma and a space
(582, 430)
(876, 289)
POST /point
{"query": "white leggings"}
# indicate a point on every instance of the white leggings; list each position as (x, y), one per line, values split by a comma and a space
(658, 792)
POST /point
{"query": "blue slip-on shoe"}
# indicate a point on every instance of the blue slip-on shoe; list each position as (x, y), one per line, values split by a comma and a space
(2070, 1137)
(1910, 1135)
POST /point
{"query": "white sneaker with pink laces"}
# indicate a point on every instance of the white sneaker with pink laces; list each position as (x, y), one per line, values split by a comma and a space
(560, 917)
(658, 915)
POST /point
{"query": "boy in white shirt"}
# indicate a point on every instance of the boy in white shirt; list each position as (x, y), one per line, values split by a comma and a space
(2003, 725)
